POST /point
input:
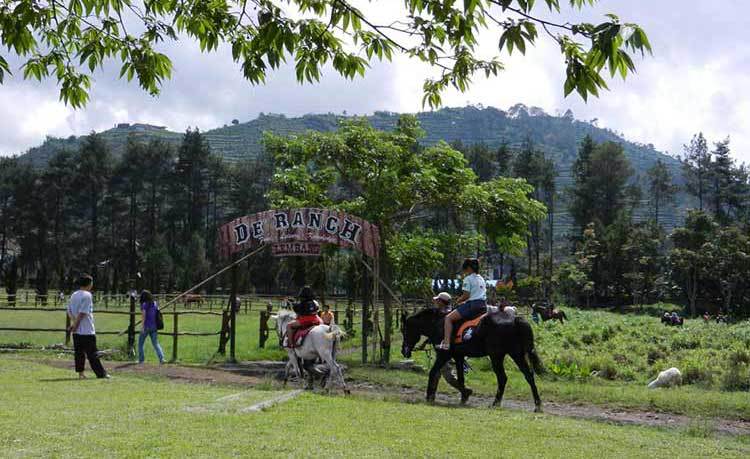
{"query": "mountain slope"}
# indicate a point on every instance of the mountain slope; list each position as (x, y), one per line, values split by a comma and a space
(557, 136)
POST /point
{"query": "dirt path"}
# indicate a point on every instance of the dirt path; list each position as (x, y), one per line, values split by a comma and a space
(239, 375)
(580, 411)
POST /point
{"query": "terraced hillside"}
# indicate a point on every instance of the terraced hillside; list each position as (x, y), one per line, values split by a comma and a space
(558, 136)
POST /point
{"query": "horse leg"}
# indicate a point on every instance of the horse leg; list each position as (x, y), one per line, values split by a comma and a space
(502, 378)
(465, 392)
(528, 373)
(307, 365)
(450, 378)
(440, 360)
(335, 375)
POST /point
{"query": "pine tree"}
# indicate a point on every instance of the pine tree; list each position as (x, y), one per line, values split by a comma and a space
(580, 193)
(721, 180)
(697, 166)
(661, 188)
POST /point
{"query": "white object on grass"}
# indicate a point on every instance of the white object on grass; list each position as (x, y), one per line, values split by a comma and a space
(667, 378)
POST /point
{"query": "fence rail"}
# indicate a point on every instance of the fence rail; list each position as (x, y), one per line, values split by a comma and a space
(223, 332)
(348, 315)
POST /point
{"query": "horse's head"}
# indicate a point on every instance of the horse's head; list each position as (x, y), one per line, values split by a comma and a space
(423, 323)
(282, 318)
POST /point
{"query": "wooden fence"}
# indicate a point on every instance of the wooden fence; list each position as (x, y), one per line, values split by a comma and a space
(130, 332)
(347, 314)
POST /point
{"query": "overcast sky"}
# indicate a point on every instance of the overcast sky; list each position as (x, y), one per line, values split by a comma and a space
(697, 80)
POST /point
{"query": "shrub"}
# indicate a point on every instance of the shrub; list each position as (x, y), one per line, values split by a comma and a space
(736, 378)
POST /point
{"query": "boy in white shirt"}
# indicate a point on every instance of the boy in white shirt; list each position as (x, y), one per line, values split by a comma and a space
(81, 312)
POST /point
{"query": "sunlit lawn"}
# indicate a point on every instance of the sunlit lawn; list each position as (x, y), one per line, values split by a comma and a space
(46, 414)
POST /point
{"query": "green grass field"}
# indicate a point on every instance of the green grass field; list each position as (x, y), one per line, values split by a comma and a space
(46, 414)
(598, 357)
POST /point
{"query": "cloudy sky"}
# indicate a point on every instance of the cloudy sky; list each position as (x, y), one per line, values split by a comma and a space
(697, 80)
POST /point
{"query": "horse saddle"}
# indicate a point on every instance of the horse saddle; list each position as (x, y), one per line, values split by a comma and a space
(466, 330)
(298, 337)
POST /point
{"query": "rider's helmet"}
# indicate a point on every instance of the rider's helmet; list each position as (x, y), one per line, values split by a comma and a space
(306, 294)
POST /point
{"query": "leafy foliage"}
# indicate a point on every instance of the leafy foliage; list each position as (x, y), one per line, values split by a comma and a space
(70, 39)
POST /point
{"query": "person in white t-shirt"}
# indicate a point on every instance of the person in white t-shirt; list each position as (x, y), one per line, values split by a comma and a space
(471, 303)
(81, 313)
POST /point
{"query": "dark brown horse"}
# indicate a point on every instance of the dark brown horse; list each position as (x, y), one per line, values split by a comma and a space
(494, 340)
(549, 313)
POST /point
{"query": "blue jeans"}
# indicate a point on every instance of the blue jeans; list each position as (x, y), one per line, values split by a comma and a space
(154, 340)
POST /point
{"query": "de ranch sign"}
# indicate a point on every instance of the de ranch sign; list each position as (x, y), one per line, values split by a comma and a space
(299, 232)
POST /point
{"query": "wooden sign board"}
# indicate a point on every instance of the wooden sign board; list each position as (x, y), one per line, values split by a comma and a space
(295, 249)
(309, 228)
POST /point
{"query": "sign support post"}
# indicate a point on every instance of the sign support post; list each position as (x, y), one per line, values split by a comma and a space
(233, 315)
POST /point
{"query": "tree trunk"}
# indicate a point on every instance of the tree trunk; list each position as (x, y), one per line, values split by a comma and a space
(366, 292)
(385, 275)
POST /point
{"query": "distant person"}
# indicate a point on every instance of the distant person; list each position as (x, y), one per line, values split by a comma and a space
(327, 316)
(81, 313)
(149, 309)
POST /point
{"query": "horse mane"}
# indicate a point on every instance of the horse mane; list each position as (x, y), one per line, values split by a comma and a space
(285, 313)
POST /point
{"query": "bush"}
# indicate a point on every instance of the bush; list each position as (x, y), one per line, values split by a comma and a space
(529, 289)
(737, 378)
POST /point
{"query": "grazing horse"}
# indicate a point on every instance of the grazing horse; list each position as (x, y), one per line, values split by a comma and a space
(494, 340)
(549, 313)
(318, 344)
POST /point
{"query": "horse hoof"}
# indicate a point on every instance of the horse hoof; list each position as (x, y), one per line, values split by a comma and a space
(465, 396)
(347, 392)
(538, 409)
(430, 399)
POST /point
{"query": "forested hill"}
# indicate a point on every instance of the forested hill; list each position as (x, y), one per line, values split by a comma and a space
(557, 136)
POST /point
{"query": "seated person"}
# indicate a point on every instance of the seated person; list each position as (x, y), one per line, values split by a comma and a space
(307, 314)
(472, 302)
(327, 316)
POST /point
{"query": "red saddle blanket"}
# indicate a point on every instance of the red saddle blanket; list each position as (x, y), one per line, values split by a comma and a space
(466, 330)
(299, 335)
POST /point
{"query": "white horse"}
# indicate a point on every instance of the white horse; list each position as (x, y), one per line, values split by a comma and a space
(319, 343)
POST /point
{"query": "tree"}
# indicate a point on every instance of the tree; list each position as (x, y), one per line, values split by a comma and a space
(580, 191)
(661, 188)
(600, 191)
(697, 166)
(687, 261)
(390, 180)
(721, 176)
(531, 165)
(94, 172)
(70, 39)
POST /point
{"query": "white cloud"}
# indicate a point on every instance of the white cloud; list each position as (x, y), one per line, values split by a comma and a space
(691, 84)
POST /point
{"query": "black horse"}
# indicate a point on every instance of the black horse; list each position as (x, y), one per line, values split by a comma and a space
(494, 340)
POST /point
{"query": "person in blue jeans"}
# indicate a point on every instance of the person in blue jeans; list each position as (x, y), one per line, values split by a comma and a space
(148, 321)
(471, 303)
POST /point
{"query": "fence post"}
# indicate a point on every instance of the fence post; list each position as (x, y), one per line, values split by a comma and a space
(233, 307)
(131, 328)
(263, 332)
(174, 335)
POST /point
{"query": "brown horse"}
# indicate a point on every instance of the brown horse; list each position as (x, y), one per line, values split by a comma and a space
(549, 313)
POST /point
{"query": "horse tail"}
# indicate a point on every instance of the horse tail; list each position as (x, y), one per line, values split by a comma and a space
(335, 333)
(535, 361)
(527, 336)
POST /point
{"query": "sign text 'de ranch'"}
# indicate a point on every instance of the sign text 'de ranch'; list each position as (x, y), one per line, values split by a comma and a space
(307, 226)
